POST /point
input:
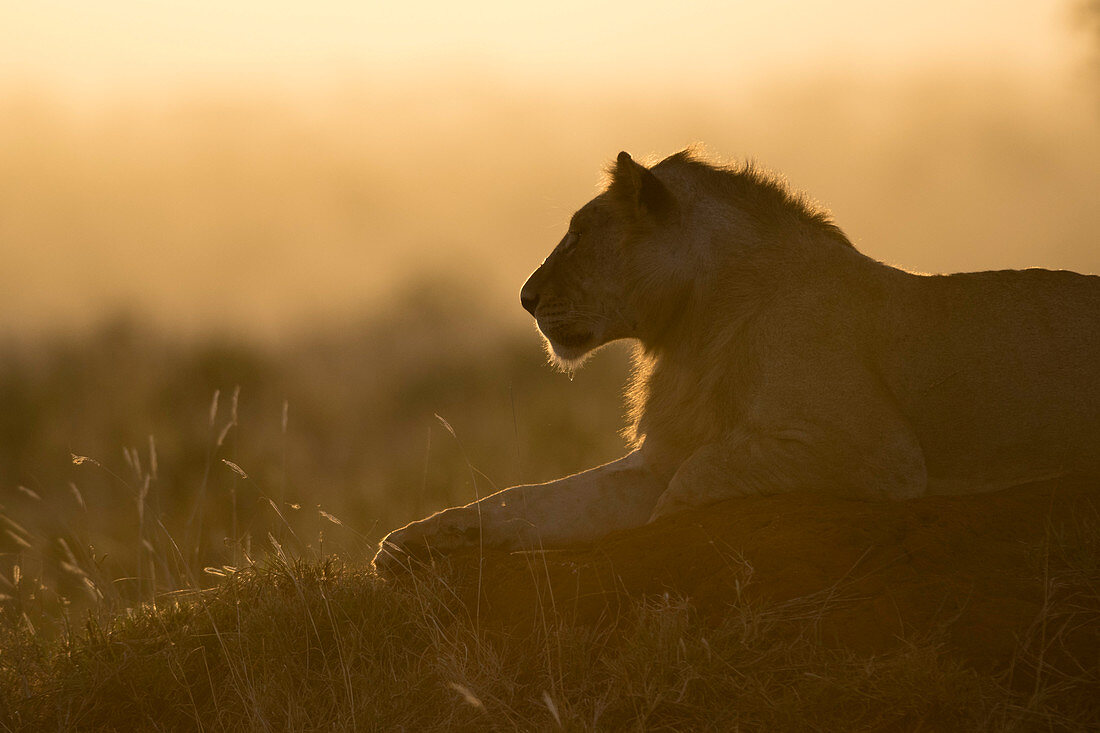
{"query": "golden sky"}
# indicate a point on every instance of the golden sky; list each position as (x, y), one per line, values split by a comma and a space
(258, 165)
(102, 45)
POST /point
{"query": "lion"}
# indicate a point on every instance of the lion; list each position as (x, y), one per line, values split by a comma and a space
(773, 356)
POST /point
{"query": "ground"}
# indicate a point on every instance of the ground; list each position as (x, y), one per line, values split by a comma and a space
(1004, 579)
(784, 613)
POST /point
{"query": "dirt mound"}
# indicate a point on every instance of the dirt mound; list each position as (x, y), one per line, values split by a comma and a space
(994, 576)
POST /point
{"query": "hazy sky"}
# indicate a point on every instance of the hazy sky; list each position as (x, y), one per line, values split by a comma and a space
(102, 45)
(204, 188)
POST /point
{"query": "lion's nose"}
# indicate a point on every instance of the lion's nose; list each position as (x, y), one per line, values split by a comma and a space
(529, 299)
(529, 293)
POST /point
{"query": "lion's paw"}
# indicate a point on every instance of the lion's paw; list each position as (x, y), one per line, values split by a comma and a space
(416, 543)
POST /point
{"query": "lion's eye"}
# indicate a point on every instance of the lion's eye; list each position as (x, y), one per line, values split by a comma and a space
(571, 239)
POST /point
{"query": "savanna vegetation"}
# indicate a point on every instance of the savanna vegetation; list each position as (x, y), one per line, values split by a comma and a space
(140, 469)
(132, 462)
(325, 646)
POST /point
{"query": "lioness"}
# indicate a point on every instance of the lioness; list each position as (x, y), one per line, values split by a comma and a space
(775, 357)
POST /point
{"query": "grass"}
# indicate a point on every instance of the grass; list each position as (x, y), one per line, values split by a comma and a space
(327, 645)
(293, 643)
(130, 462)
(288, 645)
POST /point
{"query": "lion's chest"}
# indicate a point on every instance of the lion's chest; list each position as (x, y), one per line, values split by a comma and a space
(691, 402)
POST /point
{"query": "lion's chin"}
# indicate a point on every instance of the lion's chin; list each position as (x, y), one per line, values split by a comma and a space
(569, 354)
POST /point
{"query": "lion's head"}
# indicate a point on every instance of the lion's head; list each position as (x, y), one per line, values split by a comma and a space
(656, 253)
(607, 272)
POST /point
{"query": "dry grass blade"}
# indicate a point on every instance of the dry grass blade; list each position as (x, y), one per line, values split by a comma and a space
(329, 517)
(469, 697)
(30, 493)
(553, 708)
(235, 468)
(446, 424)
(77, 496)
(17, 539)
(214, 407)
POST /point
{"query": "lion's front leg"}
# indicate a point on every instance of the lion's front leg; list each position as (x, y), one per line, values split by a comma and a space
(573, 510)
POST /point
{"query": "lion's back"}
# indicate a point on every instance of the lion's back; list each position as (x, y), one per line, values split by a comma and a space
(1000, 371)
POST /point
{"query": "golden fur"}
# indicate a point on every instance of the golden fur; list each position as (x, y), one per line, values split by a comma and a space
(773, 356)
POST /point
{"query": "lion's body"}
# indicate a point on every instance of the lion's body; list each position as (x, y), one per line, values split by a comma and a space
(999, 374)
(775, 357)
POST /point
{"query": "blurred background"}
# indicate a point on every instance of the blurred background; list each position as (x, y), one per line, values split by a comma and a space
(259, 261)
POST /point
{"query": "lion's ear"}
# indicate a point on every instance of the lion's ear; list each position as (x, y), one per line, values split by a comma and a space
(640, 192)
